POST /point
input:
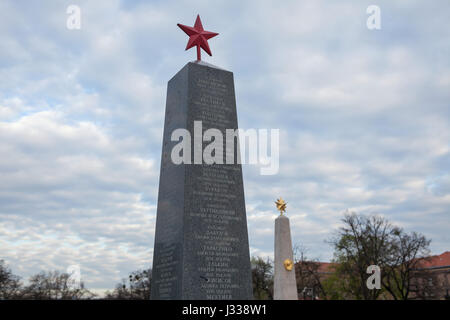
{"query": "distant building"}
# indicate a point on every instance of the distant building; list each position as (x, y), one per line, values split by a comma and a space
(431, 278)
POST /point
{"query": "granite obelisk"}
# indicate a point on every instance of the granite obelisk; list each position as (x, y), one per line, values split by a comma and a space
(201, 243)
(284, 283)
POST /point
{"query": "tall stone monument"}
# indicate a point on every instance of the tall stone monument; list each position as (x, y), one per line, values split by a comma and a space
(201, 243)
(284, 283)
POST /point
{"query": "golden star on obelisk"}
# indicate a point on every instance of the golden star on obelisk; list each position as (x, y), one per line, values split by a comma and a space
(281, 205)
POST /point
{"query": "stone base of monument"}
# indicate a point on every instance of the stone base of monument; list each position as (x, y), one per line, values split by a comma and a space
(201, 243)
(285, 285)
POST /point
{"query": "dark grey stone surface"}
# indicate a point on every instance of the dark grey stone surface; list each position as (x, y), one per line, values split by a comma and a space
(201, 241)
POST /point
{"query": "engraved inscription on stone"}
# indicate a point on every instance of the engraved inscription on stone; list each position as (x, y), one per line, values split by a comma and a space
(201, 242)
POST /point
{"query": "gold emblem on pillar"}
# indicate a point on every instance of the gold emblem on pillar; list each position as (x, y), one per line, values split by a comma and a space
(288, 264)
(281, 205)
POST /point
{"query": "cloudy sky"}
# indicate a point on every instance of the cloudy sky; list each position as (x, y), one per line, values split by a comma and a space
(364, 119)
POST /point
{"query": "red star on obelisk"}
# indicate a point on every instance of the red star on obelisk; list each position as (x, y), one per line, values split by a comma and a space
(198, 37)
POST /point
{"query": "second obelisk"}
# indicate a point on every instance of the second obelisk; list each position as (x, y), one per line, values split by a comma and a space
(284, 282)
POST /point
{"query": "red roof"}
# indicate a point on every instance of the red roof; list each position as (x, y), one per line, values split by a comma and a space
(324, 267)
(429, 262)
(436, 261)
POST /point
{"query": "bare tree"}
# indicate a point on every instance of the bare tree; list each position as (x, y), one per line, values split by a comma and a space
(361, 242)
(54, 286)
(407, 253)
(10, 285)
(136, 287)
(262, 278)
(372, 240)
